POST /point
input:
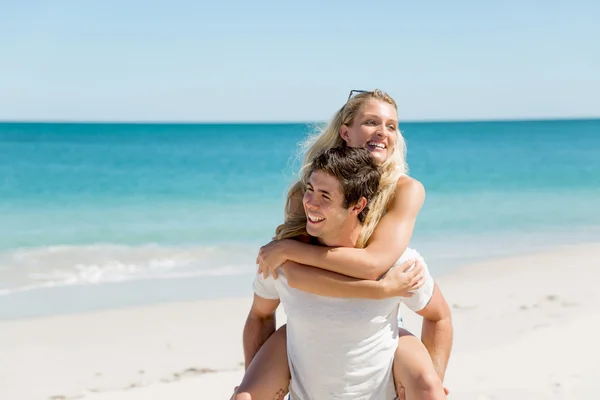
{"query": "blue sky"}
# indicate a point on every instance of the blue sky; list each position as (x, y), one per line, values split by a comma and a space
(296, 61)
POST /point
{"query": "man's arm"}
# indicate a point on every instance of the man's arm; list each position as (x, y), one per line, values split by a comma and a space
(260, 324)
(437, 331)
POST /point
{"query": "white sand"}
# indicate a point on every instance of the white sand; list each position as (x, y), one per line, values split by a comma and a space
(526, 327)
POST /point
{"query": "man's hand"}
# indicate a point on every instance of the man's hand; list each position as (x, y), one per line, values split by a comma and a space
(401, 279)
(402, 392)
(271, 256)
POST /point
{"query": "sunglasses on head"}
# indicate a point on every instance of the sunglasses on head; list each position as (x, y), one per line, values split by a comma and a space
(353, 92)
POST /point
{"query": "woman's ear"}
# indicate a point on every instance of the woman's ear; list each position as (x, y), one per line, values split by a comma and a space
(344, 133)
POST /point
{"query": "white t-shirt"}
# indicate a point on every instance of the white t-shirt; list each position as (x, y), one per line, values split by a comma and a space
(341, 348)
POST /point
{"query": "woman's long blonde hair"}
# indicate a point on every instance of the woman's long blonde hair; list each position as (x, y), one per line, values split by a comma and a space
(394, 167)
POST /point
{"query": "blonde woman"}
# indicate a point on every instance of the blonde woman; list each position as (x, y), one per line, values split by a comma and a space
(369, 120)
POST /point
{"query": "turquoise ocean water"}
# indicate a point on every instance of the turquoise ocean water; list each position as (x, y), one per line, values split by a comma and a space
(109, 215)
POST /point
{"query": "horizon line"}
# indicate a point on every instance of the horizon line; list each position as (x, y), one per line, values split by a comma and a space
(290, 122)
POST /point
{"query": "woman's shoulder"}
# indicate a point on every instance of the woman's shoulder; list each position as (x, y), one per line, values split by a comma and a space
(408, 184)
(409, 195)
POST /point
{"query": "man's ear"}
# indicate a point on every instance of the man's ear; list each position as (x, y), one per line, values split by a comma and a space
(359, 206)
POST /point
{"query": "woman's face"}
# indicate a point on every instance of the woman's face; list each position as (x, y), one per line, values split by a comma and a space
(375, 127)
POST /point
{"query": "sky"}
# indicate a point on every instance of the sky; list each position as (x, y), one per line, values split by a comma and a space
(232, 60)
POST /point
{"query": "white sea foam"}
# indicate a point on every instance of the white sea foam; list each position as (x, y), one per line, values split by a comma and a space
(54, 266)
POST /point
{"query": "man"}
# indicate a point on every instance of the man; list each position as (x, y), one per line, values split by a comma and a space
(341, 347)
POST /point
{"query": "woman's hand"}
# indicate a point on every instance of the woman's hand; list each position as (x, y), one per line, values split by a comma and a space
(402, 279)
(272, 256)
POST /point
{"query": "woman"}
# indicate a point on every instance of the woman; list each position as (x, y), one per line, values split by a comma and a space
(368, 120)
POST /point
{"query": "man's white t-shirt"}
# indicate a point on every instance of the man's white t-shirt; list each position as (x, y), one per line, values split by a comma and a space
(341, 348)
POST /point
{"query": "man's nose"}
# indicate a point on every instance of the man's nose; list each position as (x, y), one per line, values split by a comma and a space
(312, 204)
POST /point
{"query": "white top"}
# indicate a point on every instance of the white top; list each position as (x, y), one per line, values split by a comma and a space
(341, 348)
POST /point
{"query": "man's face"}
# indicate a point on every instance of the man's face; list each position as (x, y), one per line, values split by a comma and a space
(324, 206)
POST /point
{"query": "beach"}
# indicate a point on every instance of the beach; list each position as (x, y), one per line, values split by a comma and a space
(147, 153)
(127, 253)
(526, 327)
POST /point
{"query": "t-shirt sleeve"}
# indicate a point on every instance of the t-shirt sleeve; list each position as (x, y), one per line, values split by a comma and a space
(265, 288)
(422, 295)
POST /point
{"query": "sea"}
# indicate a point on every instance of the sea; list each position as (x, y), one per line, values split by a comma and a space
(97, 215)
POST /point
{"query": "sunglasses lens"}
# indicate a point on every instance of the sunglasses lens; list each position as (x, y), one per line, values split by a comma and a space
(353, 92)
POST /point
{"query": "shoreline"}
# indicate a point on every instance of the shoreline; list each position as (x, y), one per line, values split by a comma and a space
(511, 316)
(443, 260)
